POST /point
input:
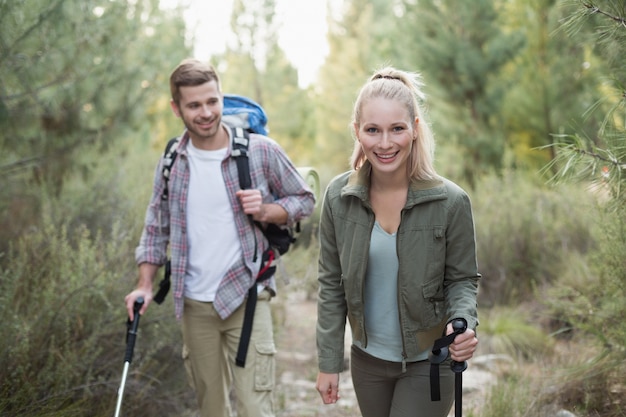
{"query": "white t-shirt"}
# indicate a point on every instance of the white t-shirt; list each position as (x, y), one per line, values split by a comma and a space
(211, 231)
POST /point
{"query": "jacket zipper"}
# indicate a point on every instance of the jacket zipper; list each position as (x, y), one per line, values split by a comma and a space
(373, 219)
(404, 355)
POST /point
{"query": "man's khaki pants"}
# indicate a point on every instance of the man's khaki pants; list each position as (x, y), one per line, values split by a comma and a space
(210, 347)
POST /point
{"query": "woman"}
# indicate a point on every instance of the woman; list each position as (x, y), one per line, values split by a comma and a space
(397, 258)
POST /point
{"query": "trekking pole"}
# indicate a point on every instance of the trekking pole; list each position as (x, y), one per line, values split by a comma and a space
(438, 355)
(131, 335)
(459, 326)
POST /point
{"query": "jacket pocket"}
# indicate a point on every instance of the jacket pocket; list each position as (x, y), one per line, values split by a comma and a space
(264, 367)
(436, 262)
(433, 307)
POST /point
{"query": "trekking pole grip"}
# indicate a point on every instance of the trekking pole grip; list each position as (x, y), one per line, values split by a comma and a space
(458, 326)
(132, 331)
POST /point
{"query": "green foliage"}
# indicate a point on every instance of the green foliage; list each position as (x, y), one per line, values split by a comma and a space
(513, 397)
(461, 47)
(61, 302)
(553, 78)
(359, 44)
(593, 386)
(61, 296)
(57, 353)
(512, 332)
(523, 234)
(70, 83)
(599, 155)
(83, 92)
(580, 159)
(593, 303)
(268, 77)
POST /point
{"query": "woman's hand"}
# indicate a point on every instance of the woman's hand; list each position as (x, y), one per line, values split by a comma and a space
(328, 387)
(464, 344)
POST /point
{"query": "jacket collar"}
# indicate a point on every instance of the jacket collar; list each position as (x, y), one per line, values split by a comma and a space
(420, 191)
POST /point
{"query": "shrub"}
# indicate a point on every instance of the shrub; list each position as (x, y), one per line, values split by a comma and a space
(523, 230)
(512, 332)
(590, 303)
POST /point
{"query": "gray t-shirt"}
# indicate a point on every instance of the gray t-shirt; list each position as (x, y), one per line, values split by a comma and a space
(382, 319)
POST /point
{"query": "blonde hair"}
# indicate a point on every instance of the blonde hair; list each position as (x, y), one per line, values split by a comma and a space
(406, 88)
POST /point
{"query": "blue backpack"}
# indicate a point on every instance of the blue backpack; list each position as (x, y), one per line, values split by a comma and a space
(240, 111)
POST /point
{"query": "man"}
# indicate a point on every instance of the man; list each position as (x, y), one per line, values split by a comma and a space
(215, 248)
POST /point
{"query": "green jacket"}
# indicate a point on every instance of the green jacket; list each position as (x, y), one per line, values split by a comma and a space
(438, 274)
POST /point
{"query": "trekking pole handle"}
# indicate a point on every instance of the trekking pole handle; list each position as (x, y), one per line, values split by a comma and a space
(132, 331)
(458, 326)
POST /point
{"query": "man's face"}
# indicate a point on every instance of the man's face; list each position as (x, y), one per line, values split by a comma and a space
(200, 108)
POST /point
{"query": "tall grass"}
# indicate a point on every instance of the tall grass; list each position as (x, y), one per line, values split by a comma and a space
(590, 302)
(553, 257)
(525, 231)
(62, 285)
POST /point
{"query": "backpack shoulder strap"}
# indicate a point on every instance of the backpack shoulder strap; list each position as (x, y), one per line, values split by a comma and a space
(169, 156)
(241, 140)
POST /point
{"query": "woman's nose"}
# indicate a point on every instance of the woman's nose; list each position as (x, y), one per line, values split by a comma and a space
(385, 140)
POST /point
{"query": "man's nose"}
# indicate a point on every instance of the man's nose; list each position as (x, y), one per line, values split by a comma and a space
(206, 110)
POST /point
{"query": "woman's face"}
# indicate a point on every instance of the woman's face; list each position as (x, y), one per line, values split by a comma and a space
(386, 134)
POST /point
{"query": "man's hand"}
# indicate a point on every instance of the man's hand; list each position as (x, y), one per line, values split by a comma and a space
(252, 203)
(132, 297)
(147, 272)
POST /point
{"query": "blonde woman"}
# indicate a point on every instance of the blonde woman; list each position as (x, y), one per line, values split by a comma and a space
(397, 259)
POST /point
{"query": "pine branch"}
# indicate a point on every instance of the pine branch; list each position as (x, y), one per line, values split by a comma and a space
(593, 9)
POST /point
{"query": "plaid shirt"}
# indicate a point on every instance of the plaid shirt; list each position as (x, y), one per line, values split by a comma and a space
(271, 171)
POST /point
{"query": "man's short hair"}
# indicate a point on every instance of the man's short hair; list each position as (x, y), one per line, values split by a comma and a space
(191, 72)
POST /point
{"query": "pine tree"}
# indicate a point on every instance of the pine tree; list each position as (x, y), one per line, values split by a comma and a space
(461, 48)
(600, 157)
(76, 78)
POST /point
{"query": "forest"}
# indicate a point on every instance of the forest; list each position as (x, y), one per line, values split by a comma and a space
(527, 99)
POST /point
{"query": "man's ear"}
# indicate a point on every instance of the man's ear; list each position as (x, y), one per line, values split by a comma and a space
(175, 108)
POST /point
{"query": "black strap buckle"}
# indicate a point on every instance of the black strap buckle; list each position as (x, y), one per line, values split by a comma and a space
(440, 353)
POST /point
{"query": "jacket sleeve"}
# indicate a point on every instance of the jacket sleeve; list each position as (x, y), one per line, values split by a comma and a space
(461, 276)
(331, 306)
